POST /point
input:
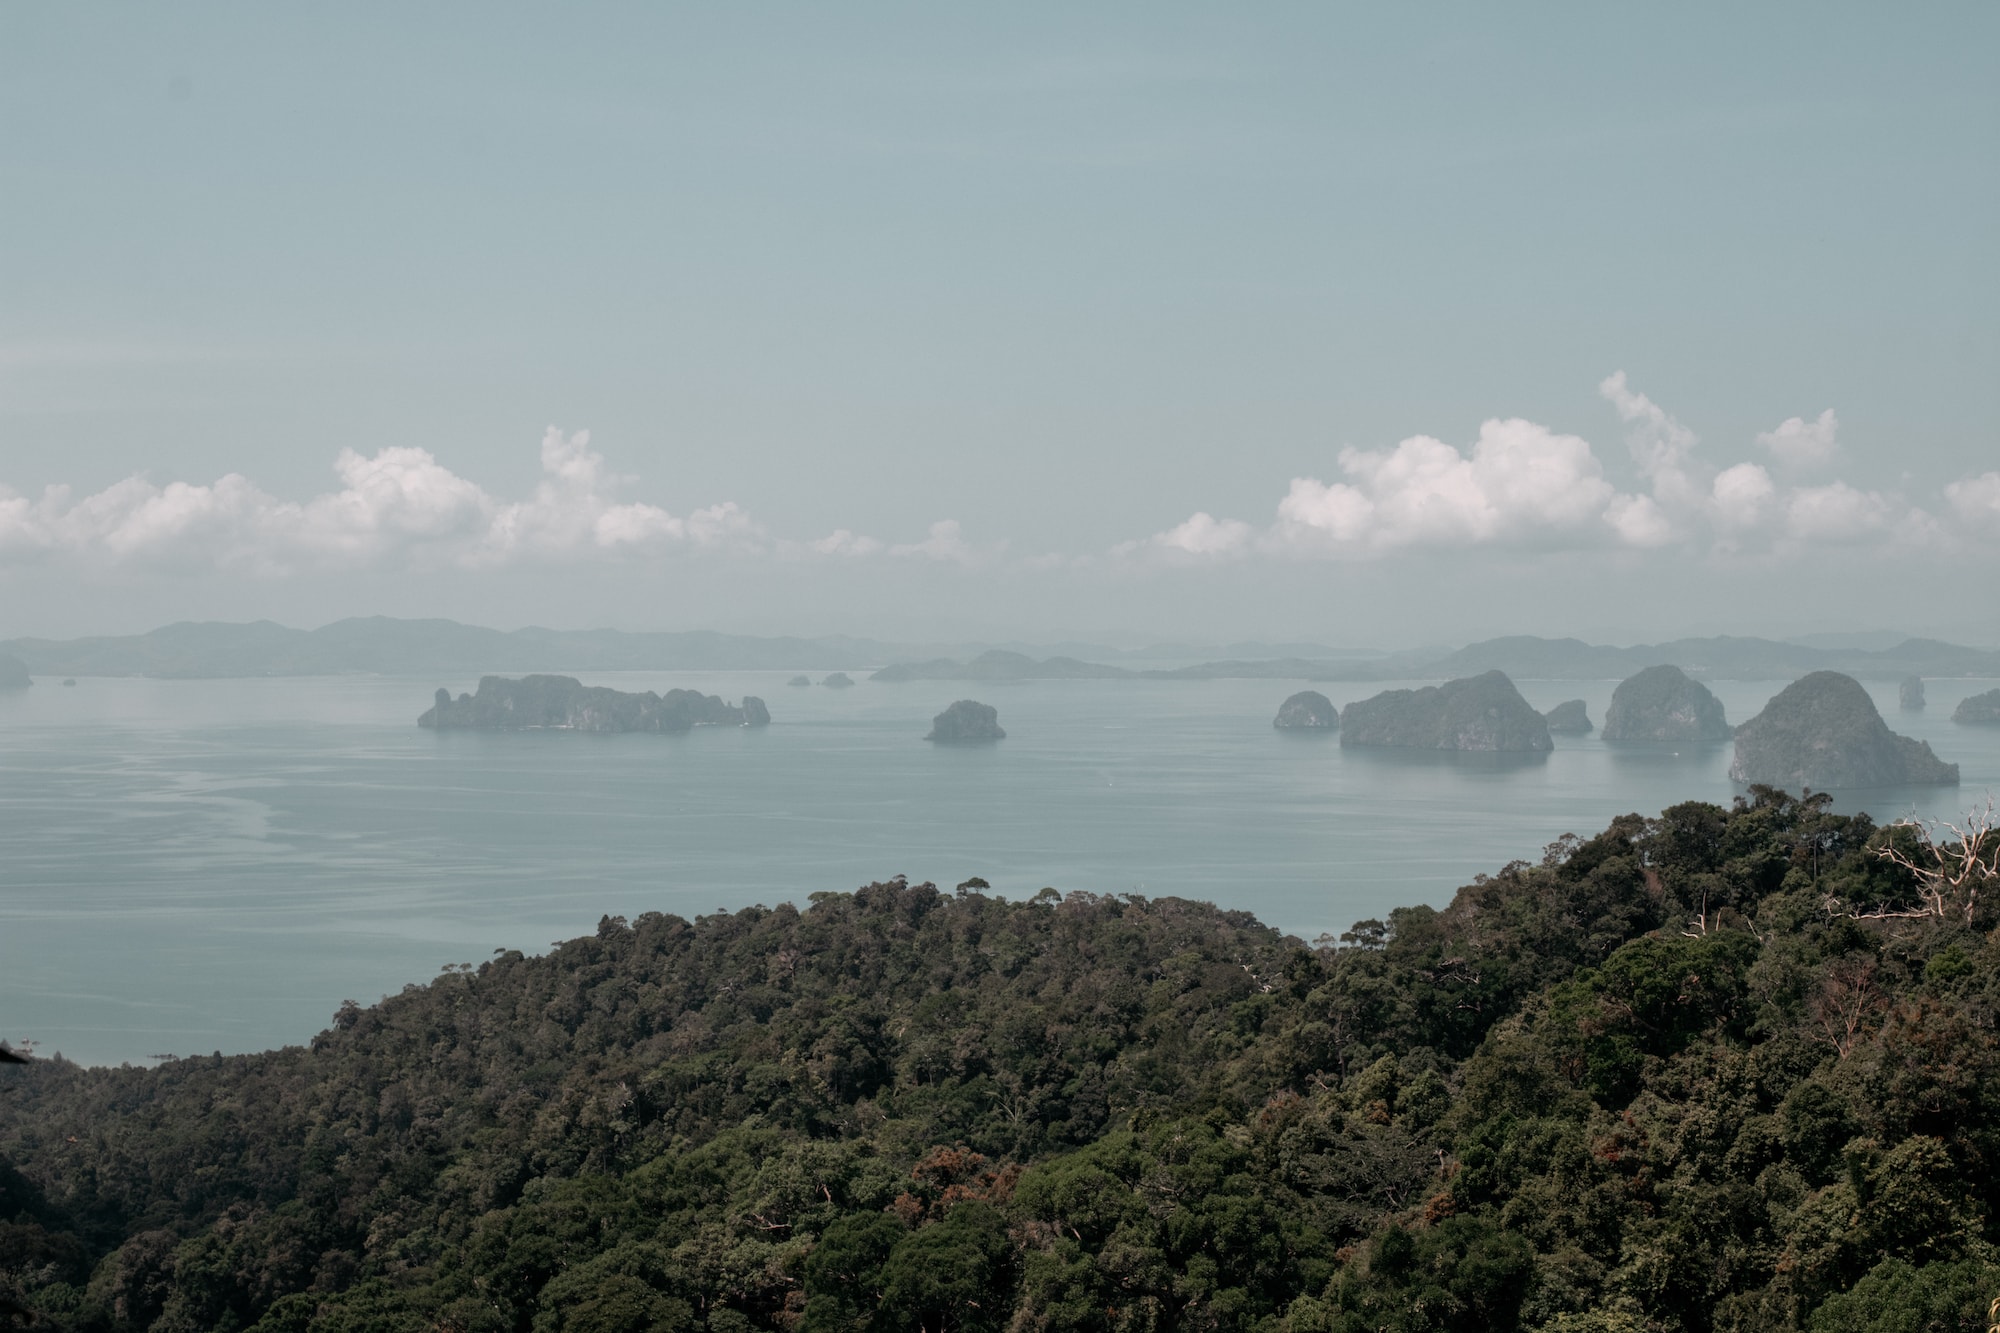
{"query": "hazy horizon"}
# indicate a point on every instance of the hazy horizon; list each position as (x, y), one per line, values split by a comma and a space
(1857, 639)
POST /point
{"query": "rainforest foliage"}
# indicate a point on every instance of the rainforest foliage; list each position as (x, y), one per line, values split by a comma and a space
(1682, 1075)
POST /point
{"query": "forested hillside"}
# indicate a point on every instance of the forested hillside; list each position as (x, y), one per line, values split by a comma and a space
(1691, 1073)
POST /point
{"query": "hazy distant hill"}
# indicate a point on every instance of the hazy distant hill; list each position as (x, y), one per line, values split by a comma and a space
(445, 647)
(999, 664)
(382, 644)
(1521, 657)
(1529, 658)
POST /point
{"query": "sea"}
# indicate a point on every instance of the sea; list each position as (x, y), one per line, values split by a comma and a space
(198, 866)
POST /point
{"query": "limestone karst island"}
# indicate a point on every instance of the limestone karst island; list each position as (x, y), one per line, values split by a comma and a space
(566, 704)
(965, 722)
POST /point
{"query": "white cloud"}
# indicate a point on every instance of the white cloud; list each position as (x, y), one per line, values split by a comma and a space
(222, 524)
(564, 512)
(400, 508)
(842, 542)
(1798, 443)
(396, 507)
(1527, 487)
(1741, 497)
(1204, 534)
(1976, 500)
(636, 525)
(945, 543)
(398, 496)
(1661, 446)
(1838, 514)
(1521, 482)
(1638, 521)
(724, 524)
(1518, 486)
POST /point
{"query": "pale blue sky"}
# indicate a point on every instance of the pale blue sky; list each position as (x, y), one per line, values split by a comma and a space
(1064, 276)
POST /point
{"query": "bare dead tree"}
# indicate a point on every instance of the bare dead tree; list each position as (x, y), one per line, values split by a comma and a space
(1847, 999)
(1698, 925)
(1951, 866)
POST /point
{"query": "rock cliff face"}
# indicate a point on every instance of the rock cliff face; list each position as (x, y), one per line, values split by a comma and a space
(1662, 703)
(564, 703)
(1978, 709)
(1477, 713)
(13, 673)
(1569, 719)
(1823, 731)
(1910, 694)
(967, 720)
(1308, 710)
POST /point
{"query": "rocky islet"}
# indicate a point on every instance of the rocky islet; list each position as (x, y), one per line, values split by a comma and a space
(1823, 731)
(566, 704)
(1478, 713)
(1664, 704)
(1569, 718)
(1308, 710)
(965, 722)
(1978, 710)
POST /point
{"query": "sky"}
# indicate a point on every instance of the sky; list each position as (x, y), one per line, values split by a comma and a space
(1369, 325)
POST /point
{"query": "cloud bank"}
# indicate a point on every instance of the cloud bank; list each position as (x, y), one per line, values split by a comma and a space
(1518, 486)
(1521, 486)
(401, 508)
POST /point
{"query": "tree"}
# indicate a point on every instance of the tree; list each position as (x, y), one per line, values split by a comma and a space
(1949, 871)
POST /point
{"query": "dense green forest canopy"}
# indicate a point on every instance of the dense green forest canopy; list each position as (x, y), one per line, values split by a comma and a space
(1719, 1069)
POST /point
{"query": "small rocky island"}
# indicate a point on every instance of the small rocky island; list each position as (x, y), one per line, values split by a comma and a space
(965, 721)
(800, 680)
(1823, 731)
(1910, 694)
(14, 673)
(1308, 710)
(839, 680)
(564, 703)
(1569, 718)
(1481, 712)
(1978, 709)
(1664, 703)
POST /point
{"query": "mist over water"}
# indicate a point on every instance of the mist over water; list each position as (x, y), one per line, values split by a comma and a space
(188, 866)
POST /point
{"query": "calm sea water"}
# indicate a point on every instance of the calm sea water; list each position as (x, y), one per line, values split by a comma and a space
(189, 866)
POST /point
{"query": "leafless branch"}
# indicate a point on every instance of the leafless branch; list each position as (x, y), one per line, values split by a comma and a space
(1952, 864)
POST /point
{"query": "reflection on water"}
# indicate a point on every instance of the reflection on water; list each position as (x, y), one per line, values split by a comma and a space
(1397, 765)
(200, 865)
(1653, 755)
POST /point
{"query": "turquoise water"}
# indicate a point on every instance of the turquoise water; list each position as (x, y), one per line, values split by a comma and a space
(188, 866)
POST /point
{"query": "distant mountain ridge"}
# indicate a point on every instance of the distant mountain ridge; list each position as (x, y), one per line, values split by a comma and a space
(1520, 657)
(1721, 658)
(383, 645)
(1000, 664)
(386, 645)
